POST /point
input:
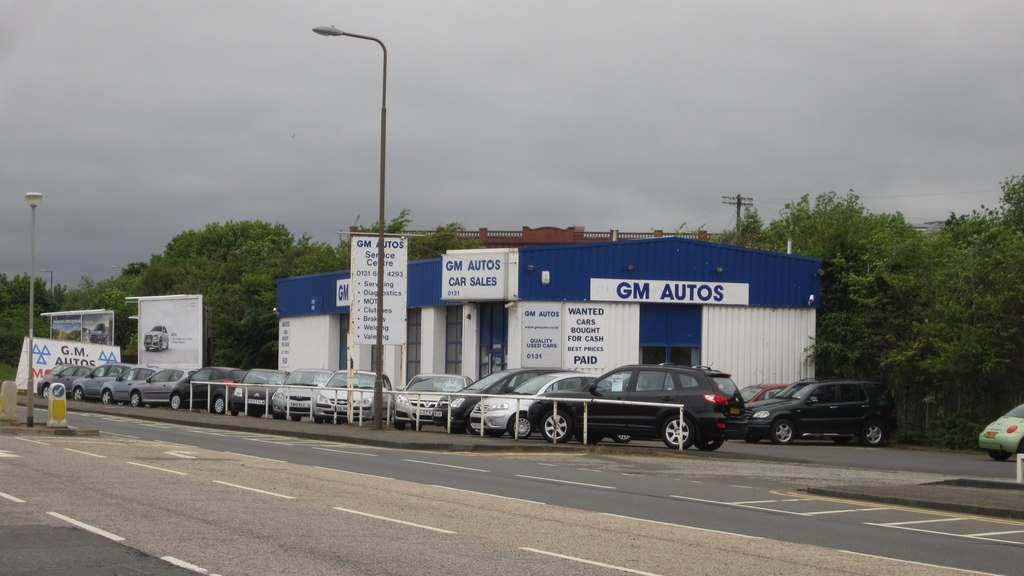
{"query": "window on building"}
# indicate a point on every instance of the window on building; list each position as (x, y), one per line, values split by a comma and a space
(453, 340)
(413, 339)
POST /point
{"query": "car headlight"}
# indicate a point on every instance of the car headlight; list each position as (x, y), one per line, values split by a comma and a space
(278, 394)
(497, 406)
(239, 392)
(321, 399)
(403, 399)
(761, 414)
(457, 402)
(366, 401)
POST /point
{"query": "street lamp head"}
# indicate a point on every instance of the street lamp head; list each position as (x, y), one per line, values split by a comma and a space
(328, 31)
(33, 198)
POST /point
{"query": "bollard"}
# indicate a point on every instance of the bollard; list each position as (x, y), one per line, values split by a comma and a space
(58, 406)
(9, 402)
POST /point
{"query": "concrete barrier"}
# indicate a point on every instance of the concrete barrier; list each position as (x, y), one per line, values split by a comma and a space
(9, 402)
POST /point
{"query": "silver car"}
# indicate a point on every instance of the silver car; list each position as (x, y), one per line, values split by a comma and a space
(91, 386)
(331, 403)
(295, 396)
(118, 389)
(157, 388)
(415, 405)
(497, 412)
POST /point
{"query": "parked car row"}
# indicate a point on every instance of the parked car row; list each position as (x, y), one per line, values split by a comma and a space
(683, 406)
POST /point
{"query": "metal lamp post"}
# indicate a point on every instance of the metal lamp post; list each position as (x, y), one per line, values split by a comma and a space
(378, 387)
(51, 277)
(33, 199)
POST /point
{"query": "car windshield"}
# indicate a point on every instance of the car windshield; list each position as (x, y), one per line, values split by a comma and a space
(437, 384)
(794, 390)
(749, 392)
(486, 381)
(264, 377)
(535, 384)
(309, 377)
(363, 381)
(1017, 412)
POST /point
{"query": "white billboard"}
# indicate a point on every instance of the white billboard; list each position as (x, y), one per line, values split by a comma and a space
(48, 354)
(92, 326)
(474, 275)
(363, 290)
(171, 330)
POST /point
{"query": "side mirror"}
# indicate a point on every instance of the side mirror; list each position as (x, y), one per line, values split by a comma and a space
(594, 390)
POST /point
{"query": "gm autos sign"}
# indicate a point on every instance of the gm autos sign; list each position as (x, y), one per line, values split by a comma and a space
(669, 292)
(467, 275)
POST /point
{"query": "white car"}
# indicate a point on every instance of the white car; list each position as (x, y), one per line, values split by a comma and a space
(497, 412)
(415, 405)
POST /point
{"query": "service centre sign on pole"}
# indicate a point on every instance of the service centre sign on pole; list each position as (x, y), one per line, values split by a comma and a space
(363, 290)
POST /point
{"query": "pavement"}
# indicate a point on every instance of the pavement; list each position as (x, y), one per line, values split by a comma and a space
(964, 496)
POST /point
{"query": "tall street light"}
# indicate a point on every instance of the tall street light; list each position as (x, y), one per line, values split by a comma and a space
(378, 387)
(51, 278)
(33, 199)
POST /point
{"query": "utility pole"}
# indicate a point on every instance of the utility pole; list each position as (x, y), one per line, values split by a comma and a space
(739, 201)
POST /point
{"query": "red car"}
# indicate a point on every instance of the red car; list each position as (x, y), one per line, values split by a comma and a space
(761, 392)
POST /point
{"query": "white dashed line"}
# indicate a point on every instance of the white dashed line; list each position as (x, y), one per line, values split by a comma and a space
(87, 527)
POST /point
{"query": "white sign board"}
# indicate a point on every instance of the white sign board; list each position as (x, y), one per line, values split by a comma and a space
(474, 276)
(284, 344)
(586, 332)
(48, 354)
(171, 330)
(542, 334)
(669, 292)
(363, 290)
(341, 290)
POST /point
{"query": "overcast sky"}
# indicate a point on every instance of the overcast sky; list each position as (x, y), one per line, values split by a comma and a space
(138, 120)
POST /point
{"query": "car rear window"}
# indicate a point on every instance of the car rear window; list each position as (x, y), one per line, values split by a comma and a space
(725, 385)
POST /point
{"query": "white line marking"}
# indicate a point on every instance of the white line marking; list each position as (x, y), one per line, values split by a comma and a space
(741, 486)
(87, 527)
(632, 474)
(344, 451)
(674, 525)
(256, 457)
(86, 453)
(444, 465)
(846, 511)
(7, 454)
(487, 494)
(965, 536)
(590, 562)
(11, 498)
(105, 433)
(183, 564)
(982, 534)
(925, 521)
(545, 464)
(919, 563)
(588, 470)
(239, 486)
(354, 473)
(32, 441)
(180, 454)
(158, 468)
(737, 505)
(441, 530)
(566, 482)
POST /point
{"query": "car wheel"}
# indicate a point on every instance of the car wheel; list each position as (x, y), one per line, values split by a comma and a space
(278, 416)
(106, 397)
(296, 418)
(622, 438)
(175, 401)
(494, 433)
(674, 431)
(556, 427)
(841, 440)
(399, 425)
(710, 445)
(45, 392)
(78, 393)
(135, 399)
(319, 420)
(782, 432)
(752, 439)
(525, 429)
(998, 455)
(873, 433)
(593, 439)
(218, 405)
(473, 430)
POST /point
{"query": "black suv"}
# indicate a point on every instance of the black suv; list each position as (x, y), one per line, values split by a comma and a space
(496, 383)
(712, 413)
(837, 409)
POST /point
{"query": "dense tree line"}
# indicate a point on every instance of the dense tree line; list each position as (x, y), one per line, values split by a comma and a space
(937, 314)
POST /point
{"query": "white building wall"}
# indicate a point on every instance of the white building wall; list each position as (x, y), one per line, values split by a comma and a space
(432, 323)
(314, 342)
(470, 340)
(758, 345)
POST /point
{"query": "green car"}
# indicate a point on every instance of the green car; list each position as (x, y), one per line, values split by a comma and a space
(1005, 436)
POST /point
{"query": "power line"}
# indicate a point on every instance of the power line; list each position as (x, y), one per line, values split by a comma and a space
(739, 201)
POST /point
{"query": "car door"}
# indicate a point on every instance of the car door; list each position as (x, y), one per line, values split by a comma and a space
(853, 405)
(820, 409)
(608, 418)
(653, 386)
